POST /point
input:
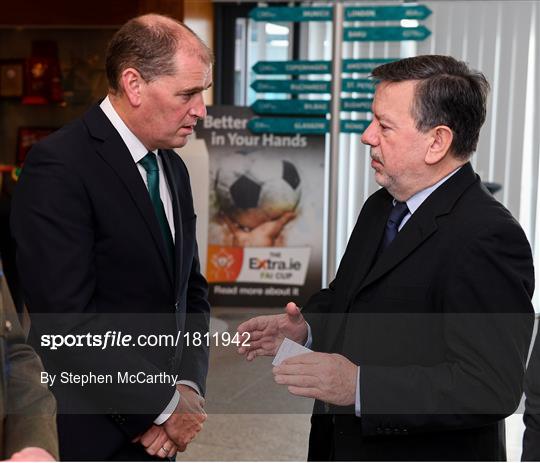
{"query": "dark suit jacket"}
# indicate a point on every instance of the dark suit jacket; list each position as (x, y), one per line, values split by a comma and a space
(439, 323)
(89, 249)
(531, 437)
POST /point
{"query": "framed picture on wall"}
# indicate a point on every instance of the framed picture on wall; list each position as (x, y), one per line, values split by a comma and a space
(11, 78)
(26, 137)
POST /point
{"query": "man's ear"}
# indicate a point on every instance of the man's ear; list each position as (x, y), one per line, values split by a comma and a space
(441, 140)
(132, 84)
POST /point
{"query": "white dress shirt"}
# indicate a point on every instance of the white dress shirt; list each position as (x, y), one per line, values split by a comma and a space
(138, 151)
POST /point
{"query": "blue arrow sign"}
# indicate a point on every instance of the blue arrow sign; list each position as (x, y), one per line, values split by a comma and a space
(313, 126)
(295, 14)
(386, 13)
(317, 67)
(385, 34)
(291, 86)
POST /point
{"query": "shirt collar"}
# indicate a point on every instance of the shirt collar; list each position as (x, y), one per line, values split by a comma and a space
(134, 145)
(416, 200)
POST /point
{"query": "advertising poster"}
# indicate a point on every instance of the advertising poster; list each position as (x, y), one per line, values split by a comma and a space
(266, 212)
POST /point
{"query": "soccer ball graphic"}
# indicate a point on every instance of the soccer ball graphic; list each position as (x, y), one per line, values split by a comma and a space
(253, 190)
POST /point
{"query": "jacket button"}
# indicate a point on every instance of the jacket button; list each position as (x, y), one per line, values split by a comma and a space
(9, 326)
(177, 306)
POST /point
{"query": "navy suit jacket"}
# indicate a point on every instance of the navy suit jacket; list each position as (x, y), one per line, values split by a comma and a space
(92, 259)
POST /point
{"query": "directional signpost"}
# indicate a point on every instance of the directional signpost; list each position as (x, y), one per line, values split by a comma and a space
(291, 86)
(354, 13)
(385, 34)
(317, 67)
(291, 14)
(311, 86)
(313, 126)
(309, 107)
(386, 13)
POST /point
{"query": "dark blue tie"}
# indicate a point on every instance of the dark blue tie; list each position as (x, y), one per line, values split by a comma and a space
(398, 212)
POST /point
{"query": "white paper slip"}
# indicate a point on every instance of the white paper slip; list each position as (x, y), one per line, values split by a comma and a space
(288, 349)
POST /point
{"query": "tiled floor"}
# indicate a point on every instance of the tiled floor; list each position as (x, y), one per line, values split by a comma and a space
(250, 418)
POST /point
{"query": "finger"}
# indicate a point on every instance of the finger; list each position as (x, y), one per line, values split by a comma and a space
(253, 324)
(258, 352)
(172, 452)
(150, 436)
(181, 448)
(285, 219)
(311, 358)
(297, 380)
(293, 311)
(230, 224)
(309, 392)
(298, 369)
(156, 447)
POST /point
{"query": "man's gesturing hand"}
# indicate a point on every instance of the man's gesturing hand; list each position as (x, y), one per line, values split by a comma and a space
(187, 419)
(327, 377)
(268, 331)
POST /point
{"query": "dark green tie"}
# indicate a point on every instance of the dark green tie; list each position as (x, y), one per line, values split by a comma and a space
(149, 162)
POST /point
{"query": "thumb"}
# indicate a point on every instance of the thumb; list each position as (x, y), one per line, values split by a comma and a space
(293, 312)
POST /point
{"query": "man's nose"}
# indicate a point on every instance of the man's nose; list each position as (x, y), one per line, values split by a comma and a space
(199, 108)
(369, 137)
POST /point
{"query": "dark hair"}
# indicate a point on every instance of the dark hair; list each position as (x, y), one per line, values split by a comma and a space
(448, 93)
(149, 44)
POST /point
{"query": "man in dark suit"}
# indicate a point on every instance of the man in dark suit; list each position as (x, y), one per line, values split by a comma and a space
(105, 229)
(421, 339)
(531, 417)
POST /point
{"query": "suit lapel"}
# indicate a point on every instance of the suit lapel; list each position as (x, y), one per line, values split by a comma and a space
(115, 153)
(177, 214)
(368, 244)
(421, 225)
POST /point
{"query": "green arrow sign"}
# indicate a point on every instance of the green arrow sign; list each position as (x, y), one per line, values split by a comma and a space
(358, 85)
(317, 67)
(362, 13)
(309, 107)
(289, 125)
(354, 126)
(385, 34)
(291, 14)
(311, 86)
(364, 65)
(386, 13)
(291, 86)
(292, 67)
(356, 104)
(314, 126)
